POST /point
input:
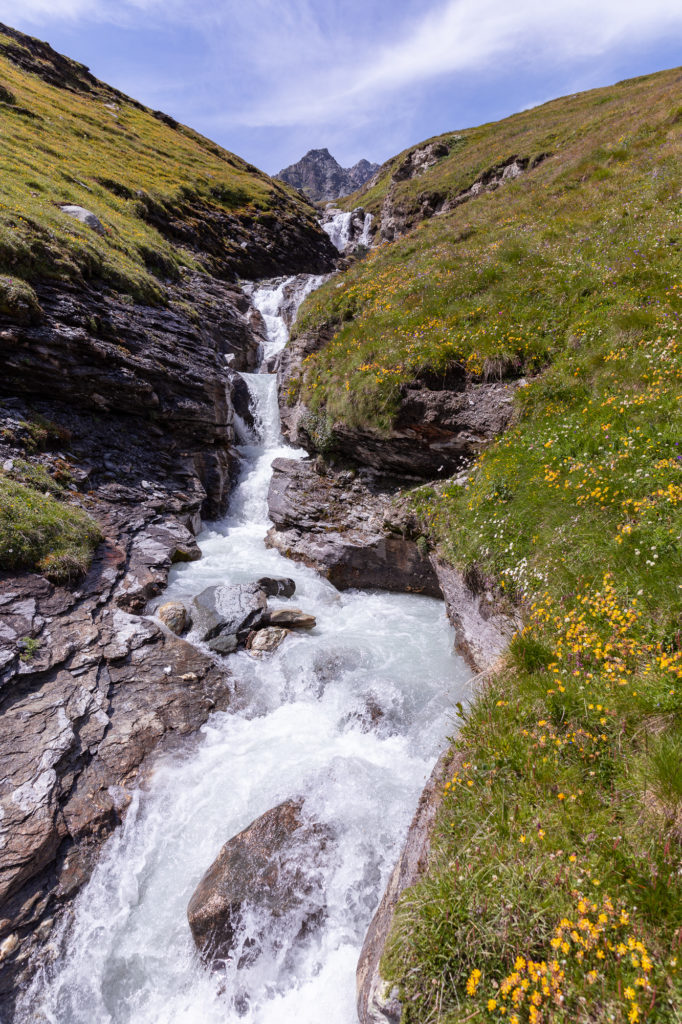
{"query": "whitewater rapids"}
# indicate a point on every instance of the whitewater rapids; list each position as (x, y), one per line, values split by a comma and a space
(351, 717)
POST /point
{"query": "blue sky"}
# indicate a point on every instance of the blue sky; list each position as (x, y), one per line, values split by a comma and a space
(270, 79)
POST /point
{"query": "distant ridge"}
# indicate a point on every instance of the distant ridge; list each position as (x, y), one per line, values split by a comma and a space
(320, 176)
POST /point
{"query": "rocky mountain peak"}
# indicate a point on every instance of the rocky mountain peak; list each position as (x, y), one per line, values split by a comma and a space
(321, 177)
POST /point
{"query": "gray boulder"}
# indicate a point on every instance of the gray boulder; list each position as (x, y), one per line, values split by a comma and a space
(272, 869)
(228, 610)
(225, 643)
(277, 586)
(85, 217)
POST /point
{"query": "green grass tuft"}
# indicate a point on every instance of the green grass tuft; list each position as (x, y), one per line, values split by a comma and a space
(44, 535)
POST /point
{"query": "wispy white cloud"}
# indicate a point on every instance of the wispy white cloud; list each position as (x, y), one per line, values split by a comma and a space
(461, 36)
(42, 13)
(292, 63)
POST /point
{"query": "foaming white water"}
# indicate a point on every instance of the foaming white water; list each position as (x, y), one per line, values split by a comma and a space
(338, 227)
(350, 717)
(278, 302)
(341, 227)
(366, 237)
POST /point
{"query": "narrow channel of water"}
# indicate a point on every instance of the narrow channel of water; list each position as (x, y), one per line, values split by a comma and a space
(350, 717)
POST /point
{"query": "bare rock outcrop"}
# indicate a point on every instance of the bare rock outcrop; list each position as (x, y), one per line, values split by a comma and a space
(348, 526)
(482, 629)
(400, 212)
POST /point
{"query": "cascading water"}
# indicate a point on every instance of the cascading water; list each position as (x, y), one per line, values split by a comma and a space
(338, 227)
(278, 302)
(341, 227)
(349, 717)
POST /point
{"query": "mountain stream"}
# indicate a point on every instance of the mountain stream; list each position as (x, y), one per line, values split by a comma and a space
(350, 717)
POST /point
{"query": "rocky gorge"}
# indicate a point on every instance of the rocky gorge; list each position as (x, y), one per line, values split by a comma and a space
(210, 616)
(102, 704)
(151, 417)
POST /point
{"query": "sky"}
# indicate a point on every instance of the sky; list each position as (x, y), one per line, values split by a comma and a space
(270, 79)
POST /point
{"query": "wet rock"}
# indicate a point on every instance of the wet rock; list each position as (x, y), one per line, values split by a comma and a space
(273, 869)
(225, 643)
(369, 717)
(351, 527)
(266, 640)
(294, 618)
(174, 615)
(228, 610)
(277, 586)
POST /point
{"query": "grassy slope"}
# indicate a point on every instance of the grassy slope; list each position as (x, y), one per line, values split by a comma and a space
(88, 145)
(555, 891)
(503, 283)
(82, 142)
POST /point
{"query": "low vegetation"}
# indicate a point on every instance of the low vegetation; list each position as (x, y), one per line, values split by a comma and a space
(41, 533)
(555, 887)
(68, 139)
(587, 240)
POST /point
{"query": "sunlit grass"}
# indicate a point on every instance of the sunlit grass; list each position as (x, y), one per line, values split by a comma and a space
(554, 891)
(98, 150)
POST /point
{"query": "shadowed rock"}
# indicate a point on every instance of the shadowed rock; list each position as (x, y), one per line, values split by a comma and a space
(272, 869)
(277, 586)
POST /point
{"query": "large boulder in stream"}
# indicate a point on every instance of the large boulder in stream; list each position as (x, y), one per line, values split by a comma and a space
(265, 886)
(228, 611)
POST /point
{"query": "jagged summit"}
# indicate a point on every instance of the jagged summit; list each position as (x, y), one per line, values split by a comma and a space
(320, 176)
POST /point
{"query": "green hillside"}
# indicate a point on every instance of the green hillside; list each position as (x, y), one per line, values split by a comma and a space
(167, 197)
(555, 889)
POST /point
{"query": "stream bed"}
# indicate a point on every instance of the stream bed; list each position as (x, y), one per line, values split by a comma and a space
(350, 717)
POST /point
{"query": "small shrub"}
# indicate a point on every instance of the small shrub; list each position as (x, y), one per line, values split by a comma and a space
(29, 648)
(44, 433)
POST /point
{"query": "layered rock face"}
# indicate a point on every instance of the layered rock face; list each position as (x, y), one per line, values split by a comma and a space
(319, 176)
(440, 425)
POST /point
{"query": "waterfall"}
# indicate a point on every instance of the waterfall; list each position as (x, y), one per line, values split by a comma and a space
(278, 302)
(350, 717)
(344, 228)
(338, 227)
